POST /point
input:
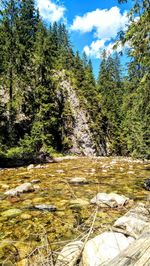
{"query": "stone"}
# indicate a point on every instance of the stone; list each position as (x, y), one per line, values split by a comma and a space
(37, 200)
(35, 181)
(70, 254)
(45, 207)
(78, 203)
(134, 222)
(147, 184)
(59, 171)
(39, 166)
(109, 200)
(103, 248)
(131, 225)
(25, 216)
(11, 213)
(36, 187)
(30, 167)
(78, 180)
(26, 187)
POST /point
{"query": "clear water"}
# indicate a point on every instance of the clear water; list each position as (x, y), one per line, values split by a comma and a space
(20, 234)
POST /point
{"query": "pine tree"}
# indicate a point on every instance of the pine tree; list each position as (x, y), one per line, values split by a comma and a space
(110, 89)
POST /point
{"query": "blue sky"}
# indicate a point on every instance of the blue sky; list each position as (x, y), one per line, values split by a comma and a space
(93, 25)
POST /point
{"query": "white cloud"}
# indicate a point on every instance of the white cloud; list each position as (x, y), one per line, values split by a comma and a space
(106, 23)
(96, 48)
(50, 10)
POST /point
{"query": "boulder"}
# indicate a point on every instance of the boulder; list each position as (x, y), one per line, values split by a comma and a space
(26, 187)
(78, 180)
(103, 248)
(70, 254)
(109, 200)
(134, 222)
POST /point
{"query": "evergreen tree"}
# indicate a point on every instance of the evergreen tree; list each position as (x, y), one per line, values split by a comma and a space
(110, 89)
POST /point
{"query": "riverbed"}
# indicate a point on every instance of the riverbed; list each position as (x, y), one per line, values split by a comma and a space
(24, 228)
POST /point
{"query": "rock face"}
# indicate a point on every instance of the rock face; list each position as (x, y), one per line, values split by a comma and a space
(26, 187)
(70, 254)
(109, 200)
(103, 248)
(80, 136)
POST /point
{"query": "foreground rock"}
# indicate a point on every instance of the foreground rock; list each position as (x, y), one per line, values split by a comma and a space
(103, 248)
(78, 181)
(109, 200)
(137, 254)
(134, 222)
(26, 187)
(70, 254)
(130, 246)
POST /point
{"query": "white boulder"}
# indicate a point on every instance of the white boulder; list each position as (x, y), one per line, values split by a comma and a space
(69, 254)
(103, 248)
(109, 200)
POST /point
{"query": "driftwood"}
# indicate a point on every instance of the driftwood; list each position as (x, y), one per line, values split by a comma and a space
(137, 254)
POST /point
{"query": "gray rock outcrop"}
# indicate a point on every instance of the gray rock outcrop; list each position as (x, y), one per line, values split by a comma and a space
(80, 135)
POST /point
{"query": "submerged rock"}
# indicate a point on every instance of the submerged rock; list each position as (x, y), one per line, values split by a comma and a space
(60, 171)
(26, 187)
(70, 254)
(109, 200)
(45, 207)
(25, 216)
(103, 248)
(78, 203)
(11, 213)
(78, 180)
(147, 184)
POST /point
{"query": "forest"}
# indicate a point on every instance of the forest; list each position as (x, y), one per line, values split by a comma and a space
(35, 118)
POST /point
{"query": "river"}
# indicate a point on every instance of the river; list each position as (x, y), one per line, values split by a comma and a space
(25, 228)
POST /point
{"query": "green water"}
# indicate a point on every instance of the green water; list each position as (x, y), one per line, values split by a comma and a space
(24, 231)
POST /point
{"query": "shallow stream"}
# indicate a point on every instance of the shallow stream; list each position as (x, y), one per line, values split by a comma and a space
(25, 228)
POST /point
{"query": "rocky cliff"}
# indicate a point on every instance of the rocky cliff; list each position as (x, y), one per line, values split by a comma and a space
(77, 122)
